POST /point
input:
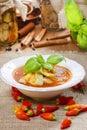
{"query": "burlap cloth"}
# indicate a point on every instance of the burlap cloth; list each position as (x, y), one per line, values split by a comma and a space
(8, 121)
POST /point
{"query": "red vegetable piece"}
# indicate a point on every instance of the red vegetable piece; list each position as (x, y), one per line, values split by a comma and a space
(16, 94)
(66, 123)
(22, 115)
(73, 112)
(48, 116)
(49, 109)
(62, 100)
(38, 110)
(26, 103)
(71, 102)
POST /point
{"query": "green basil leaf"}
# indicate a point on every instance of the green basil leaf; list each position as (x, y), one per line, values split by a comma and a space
(40, 58)
(55, 59)
(47, 66)
(32, 65)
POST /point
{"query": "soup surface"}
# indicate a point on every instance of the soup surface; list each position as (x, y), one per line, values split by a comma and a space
(62, 75)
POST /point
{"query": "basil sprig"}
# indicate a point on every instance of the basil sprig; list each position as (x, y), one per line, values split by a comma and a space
(55, 59)
(40, 58)
(47, 66)
(32, 65)
(35, 63)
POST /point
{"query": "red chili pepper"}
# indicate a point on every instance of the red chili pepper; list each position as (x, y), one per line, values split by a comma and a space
(24, 108)
(16, 94)
(83, 109)
(22, 115)
(71, 102)
(49, 109)
(48, 116)
(66, 123)
(14, 89)
(16, 108)
(38, 110)
(80, 86)
(17, 97)
(45, 109)
(76, 111)
(26, 103)
(73, 112)
(79, 106)
(75, 86)
(30, 112)
(62, 100)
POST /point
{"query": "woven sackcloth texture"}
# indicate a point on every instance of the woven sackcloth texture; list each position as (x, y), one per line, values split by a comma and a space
(8, 121)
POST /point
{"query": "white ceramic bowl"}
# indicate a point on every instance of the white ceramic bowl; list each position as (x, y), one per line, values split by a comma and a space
(7, 69)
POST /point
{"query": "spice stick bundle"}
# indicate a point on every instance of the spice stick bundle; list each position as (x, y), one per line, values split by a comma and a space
(52, 42)
(26, 41)
(62, 34)
(40, 35)
(23, 31)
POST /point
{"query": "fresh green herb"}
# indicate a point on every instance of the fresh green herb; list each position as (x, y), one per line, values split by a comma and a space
(35, 63)
(47, 66)
(32, 65)
(73, 13)
(76, 23)
(73, 27)
(55, 59)
(82, 41)
(40, 58)
(74, 35)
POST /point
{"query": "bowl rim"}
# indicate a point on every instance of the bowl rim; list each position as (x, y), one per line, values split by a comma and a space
(66, 85)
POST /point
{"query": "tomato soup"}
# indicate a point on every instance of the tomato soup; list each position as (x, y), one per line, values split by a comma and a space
(61, 76)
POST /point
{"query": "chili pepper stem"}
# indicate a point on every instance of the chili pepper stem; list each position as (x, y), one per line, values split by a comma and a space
(20, 98)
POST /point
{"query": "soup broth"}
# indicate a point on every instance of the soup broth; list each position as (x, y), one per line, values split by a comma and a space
(62, 75)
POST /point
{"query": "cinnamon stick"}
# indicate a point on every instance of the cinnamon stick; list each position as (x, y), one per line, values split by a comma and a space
(25, 38)
(62, 34)
(52, 42)
(27, 28)
(40, 35)
(26, 41)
